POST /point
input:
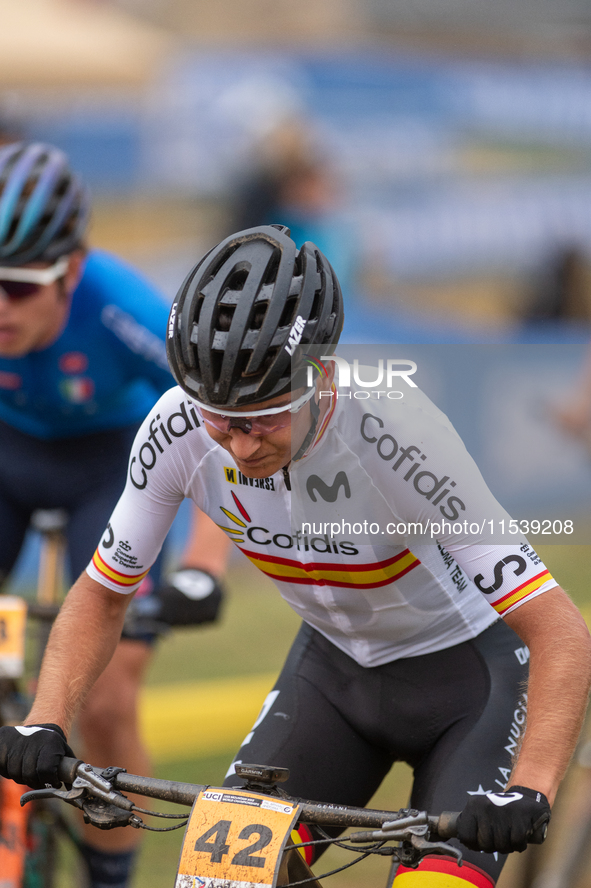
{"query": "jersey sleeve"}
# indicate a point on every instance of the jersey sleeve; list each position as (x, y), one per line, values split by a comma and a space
(157, 482)
(431, 481)
(506, 575)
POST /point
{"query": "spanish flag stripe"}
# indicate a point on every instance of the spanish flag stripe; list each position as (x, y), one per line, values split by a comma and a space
(116, 576)
(340, 572)
(326, 565)
(352, 584)
(522, 592)
(528, 586)
(335, 575)
(544, 575)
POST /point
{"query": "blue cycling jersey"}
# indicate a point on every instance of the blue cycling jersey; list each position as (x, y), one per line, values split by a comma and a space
(106, 369)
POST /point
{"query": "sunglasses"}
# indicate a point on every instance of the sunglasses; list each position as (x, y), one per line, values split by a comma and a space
(261, 422)
(19, 283)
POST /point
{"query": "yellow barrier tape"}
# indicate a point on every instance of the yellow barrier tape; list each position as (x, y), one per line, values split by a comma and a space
(192, 719)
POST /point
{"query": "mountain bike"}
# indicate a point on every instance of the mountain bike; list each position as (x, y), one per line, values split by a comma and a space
(244, 837)
(29, 840)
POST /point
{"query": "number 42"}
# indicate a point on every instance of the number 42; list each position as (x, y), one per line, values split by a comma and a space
(218, 846)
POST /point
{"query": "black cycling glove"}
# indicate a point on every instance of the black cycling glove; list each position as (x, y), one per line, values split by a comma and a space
(190, 597)
(503, 821)
(31, 754)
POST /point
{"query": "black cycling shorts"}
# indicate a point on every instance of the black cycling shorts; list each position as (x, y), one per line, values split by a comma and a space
(84, 475)
(454, 716)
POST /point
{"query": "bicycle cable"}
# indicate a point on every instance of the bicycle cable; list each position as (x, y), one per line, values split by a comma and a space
(158, 813)
(142, 825)
(330, 873)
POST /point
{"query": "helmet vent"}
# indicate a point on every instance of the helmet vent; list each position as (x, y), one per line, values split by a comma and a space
(272, 268)
(237, 279)
(288, 313)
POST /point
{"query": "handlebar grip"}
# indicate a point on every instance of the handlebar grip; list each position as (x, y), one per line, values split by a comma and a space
(67, 769)
(447, 824)
(447, 828)
(539, 834)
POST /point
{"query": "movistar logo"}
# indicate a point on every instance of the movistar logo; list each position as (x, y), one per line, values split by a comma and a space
(314, 485)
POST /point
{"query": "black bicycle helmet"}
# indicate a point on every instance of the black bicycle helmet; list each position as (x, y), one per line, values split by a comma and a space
(241, 311)
(43, 206)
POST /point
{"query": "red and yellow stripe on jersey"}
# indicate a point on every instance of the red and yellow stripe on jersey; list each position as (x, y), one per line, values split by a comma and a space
(503, 604)
(326, 573)
(116, 576)
(442, 872)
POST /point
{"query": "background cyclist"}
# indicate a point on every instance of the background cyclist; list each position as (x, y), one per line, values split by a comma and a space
(393, 661)
(82, 358)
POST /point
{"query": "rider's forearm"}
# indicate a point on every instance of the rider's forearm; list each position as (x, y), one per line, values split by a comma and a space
(558, 688)
(81, 644)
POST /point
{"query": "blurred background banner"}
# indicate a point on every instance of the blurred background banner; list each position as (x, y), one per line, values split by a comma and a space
(64, 44)
(442, 151)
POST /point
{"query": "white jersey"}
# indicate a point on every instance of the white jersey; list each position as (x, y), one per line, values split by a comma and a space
(422, 577)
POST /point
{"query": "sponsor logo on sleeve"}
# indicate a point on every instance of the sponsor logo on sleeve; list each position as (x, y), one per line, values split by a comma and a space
(162, 435)
(520, 565)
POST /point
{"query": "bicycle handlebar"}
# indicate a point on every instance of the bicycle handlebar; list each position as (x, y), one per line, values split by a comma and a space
(323, 814)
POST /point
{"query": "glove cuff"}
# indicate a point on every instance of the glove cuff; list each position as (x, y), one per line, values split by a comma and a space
(55, 728)
(530, 793)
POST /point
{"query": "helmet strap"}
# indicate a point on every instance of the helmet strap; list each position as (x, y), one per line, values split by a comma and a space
(315, 411)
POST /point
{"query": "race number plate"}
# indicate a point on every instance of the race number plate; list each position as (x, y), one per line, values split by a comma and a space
(235, 839)
(13, 613)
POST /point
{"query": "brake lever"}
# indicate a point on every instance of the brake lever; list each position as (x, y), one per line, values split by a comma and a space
(92, 784)
(66, 795)
(425, 847)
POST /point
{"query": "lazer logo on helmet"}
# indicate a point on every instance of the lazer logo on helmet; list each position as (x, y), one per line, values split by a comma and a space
(295, 335)
(171, 320)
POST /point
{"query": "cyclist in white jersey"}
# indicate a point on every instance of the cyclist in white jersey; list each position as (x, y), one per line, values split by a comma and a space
(402, 654)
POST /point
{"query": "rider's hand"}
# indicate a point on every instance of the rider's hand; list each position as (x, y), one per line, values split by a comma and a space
(31, 754)
(502, 821)
(190, 597)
